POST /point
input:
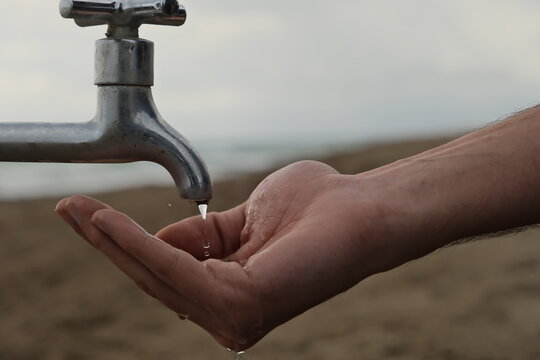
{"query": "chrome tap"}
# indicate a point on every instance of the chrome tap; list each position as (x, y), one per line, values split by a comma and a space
(127, 126)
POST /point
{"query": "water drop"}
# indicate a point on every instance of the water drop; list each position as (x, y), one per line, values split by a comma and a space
(169, 205)
(183, 316)
(203, 208)
(241, 355)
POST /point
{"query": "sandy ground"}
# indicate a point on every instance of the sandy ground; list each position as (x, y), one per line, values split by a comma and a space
(61, 300)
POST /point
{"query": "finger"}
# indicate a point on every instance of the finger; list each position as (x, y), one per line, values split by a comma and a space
(221, 231)
(64, 214)
(174, 267)
(82, 209)
(61, 210)
(83, 204)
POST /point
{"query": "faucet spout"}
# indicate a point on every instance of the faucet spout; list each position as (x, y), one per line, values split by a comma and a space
(133, 130)
(127, 128)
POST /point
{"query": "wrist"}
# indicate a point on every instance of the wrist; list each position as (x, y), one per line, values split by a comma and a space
(411, 218)
(385, 223)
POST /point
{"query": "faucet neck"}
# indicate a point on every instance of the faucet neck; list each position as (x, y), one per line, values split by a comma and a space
(124, 61)
(116, 31)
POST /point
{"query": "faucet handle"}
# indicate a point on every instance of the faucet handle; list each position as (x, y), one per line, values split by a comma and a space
(126, 14)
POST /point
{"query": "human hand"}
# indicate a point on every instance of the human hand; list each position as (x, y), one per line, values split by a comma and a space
(305, 234)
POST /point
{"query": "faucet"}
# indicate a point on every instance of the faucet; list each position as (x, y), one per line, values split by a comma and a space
(127, 126)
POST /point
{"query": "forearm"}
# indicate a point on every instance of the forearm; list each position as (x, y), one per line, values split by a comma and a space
(484, 182)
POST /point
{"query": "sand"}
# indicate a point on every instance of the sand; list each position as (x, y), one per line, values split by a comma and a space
(60, 299)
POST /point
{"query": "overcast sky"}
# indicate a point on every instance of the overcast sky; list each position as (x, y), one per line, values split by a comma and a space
(243, 69)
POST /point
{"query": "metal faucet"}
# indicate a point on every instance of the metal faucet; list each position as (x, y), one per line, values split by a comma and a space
(127, 126)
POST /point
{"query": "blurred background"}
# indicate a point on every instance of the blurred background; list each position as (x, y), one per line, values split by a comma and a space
(253, 82)
(255, 85)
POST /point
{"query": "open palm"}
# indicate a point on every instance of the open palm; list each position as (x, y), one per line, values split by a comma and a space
(304, 235)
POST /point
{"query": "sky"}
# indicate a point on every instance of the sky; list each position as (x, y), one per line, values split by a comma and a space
(241, 70)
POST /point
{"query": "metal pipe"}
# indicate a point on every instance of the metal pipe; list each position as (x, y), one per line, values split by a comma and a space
(127, 126)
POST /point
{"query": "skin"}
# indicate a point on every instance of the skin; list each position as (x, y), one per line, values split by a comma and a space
(308, 233)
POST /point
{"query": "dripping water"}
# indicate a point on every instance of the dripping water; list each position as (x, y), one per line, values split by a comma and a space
(240, 355)
(203, 209)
